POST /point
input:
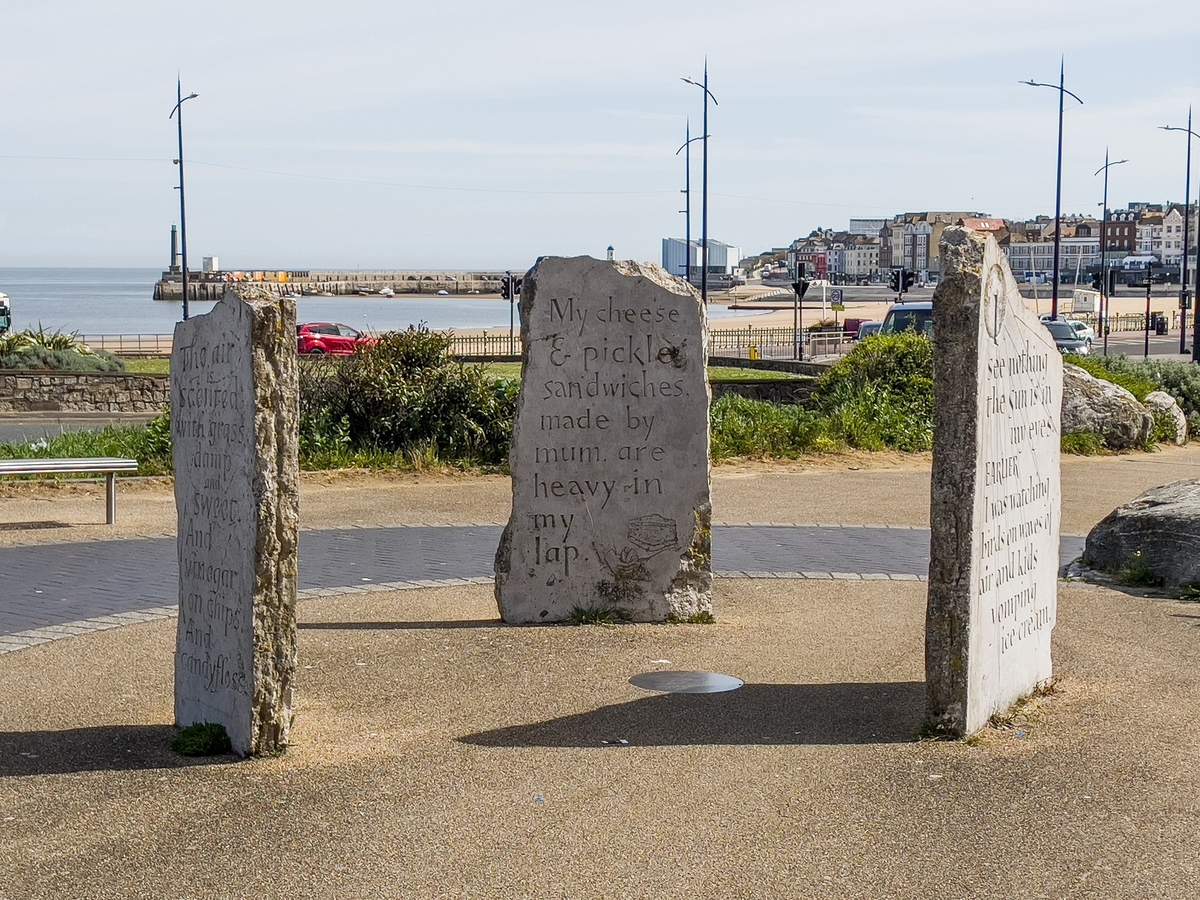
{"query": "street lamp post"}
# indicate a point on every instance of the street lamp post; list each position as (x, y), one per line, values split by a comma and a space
(177, 114)
(1183, 272)
(704, 185)
(686, 149)
(1062, 93)
(1103, 240)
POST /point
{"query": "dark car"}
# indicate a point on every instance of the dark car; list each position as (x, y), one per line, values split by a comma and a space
(916, 315)
(1066, 338)
(330, 337)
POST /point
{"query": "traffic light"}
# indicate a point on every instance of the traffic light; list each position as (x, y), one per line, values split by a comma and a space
(894, 280)
(506, 287)
(516, 286)
(1097, 281)
(906, 280)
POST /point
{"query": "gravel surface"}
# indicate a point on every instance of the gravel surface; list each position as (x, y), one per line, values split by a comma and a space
(438, 754)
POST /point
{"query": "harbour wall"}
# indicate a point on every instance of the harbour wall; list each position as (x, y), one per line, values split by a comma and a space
(211, 285)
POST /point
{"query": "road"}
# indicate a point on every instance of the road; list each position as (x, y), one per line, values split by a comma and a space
(20, 427)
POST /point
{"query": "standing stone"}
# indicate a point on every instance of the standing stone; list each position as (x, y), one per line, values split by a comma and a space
(610, 468)
(234, 427)
(995, 518)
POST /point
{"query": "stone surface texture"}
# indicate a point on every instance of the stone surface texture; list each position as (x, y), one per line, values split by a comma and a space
(1101, 407)
(1161, 401)
(1162, 525)
(234, 427)
(82, 392)
(995, 494)
(610, 466)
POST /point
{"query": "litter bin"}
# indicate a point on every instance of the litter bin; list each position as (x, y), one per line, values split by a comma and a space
(1159, 321)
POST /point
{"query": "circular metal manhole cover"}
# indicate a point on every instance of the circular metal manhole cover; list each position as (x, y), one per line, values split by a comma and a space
(686, 682)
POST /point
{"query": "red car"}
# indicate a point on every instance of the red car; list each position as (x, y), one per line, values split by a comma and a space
(330, 337)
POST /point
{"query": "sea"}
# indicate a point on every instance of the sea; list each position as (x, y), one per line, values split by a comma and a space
(120, 301)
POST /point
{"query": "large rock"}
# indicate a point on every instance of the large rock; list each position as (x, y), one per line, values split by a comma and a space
(1161, 528)
(609, 458)
(234, 429)
(1101, 407)
(994, 512)
(1162, 402)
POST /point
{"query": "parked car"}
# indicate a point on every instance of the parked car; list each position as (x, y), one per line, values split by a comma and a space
(916, 315)
(330, 337)
(866, 329)
(1065, 337)
(1082, 329)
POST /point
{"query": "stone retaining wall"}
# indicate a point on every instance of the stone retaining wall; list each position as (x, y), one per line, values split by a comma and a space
(82, 391)
(791, 392)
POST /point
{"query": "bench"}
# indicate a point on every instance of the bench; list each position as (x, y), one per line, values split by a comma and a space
(109, 466)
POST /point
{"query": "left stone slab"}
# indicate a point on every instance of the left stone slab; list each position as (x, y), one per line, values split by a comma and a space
(234, 431)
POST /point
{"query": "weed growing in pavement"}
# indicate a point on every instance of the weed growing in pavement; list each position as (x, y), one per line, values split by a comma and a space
(1026, 708)
(700, 618)
(1082, 443)
(1137, 572)
(601, 614)
(202, 739)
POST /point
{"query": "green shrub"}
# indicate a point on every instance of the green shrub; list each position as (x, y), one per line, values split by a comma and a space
(1164, 428)
(1098, 367)
(405, 394)
(744, 427)
(881, 394)
(53, 351)
(1179, 379)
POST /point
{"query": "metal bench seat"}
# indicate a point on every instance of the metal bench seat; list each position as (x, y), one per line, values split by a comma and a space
(110, 466)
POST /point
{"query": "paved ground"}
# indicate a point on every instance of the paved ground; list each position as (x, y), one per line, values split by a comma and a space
(437, 755)
(53, 584)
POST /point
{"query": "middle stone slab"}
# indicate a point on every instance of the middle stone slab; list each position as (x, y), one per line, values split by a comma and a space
(610, 466)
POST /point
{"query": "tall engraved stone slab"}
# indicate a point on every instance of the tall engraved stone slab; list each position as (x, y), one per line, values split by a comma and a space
(609, 459)
(234, 415)
(995, 497)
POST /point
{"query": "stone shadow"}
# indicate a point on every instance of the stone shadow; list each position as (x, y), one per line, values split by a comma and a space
(852, 713)
(104, 748)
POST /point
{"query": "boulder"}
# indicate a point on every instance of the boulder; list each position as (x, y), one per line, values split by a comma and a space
(1163, 525)
(1103, 408)
(1161, 401)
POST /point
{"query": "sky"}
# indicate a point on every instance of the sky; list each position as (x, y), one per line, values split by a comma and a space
(471, 134)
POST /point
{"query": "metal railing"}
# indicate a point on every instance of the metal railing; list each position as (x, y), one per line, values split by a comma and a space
(775, 342)
(129, 344)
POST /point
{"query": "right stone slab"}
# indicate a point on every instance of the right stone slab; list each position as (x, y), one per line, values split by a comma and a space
(995, 504)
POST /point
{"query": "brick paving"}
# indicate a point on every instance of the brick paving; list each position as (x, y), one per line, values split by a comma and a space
(63, 585)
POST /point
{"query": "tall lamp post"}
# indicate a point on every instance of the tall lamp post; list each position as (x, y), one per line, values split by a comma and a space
(1183, 272)
(1103, 237)
(704, 186)
(1062, 93)
(686, 149)
(177, 114)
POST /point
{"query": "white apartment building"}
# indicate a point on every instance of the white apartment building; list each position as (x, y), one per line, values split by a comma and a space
(1150, 236)
(1074, 256)
(1172, 236)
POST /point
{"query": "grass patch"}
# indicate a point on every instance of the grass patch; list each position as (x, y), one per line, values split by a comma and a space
(700, 618)
(156, 365)
(149, 444)
(1026, 708)
(1082, 443)
(1137, 572)
(202, 739)
(737, 373)
(602, 614)
(503, 371)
